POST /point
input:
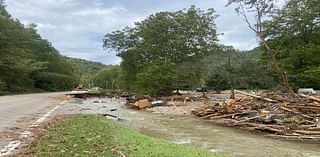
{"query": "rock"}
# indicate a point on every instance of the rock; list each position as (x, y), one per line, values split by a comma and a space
(144, 103)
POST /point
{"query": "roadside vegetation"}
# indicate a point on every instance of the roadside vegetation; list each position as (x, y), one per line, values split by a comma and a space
(97, 136)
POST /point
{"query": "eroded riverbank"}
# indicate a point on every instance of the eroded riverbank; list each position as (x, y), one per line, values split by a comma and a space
(192, 131)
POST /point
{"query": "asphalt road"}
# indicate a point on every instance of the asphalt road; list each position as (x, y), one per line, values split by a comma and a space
(17, 110)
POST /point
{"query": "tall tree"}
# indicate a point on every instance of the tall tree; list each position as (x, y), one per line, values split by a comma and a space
(165, 39)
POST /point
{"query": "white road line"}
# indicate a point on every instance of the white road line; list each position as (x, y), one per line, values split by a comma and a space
(63, 102)
(44, 117)
(8, 149)
(25, 134)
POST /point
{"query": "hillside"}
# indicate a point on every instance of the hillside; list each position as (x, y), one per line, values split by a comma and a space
(85, 69)
(29, 63)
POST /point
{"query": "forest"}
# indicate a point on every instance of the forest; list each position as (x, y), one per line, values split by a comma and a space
(180, 50)
(29, 63)
(172, 50)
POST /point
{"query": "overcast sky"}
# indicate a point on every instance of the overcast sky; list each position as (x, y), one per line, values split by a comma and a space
(76, 27)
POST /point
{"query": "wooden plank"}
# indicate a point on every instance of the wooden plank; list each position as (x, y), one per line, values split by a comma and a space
(303, 115)
(255, 96)
(247, 119)
(304, 107)
(310, 97)
(306, 132)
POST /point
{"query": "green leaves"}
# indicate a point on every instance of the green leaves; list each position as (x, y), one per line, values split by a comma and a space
(156, 79)
(294, 33)
(27, 61)
(108, 78)
(162, 39)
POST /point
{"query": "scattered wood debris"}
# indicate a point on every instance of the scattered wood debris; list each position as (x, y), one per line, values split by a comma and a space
(274, 114)
(143, 102)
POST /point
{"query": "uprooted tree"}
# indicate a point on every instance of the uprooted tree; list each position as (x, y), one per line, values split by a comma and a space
(261, 9)
(154, 49)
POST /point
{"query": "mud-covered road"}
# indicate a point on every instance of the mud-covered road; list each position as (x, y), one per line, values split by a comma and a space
(15, 110)
(20, 114)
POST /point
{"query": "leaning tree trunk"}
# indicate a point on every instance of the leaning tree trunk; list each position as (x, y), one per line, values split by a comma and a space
(258, 31)
(280, 70)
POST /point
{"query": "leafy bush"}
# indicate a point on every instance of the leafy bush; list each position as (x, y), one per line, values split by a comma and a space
(156, 79)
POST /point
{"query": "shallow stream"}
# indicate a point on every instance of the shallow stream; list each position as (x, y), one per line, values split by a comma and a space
(199, 133)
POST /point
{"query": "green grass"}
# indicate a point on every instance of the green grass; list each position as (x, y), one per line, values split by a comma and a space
(97, 136)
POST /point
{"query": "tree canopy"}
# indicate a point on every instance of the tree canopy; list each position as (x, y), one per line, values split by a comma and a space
(294, 33)
(160, 43)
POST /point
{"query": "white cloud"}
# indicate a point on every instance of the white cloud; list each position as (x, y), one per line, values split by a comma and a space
(76, 27)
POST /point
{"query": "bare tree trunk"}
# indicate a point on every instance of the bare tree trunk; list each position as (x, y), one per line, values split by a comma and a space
(232, 93)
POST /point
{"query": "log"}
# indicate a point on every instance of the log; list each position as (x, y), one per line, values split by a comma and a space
(307, 132)
(296, 137)
(310, 97)
(255, 96)
(245, 120)
(209, 115)
(305, 107)
(229, 115)
(303, 115)
(223, 116)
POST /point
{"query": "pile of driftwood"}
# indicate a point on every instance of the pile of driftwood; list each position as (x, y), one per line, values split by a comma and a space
(274, 114)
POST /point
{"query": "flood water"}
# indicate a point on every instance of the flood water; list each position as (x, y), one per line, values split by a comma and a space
(199, 133)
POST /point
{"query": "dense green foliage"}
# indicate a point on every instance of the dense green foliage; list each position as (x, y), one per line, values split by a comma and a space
(97, 136)
(29, 63)
(154, 50)
(108, 78)
(289, 37)
(230, 68)
(85, 70)
(294, 33)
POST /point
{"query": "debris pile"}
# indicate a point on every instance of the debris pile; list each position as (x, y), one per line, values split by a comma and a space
(144, 102)
(274, 114)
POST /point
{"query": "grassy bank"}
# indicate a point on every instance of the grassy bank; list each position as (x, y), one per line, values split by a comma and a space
(96, 136)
